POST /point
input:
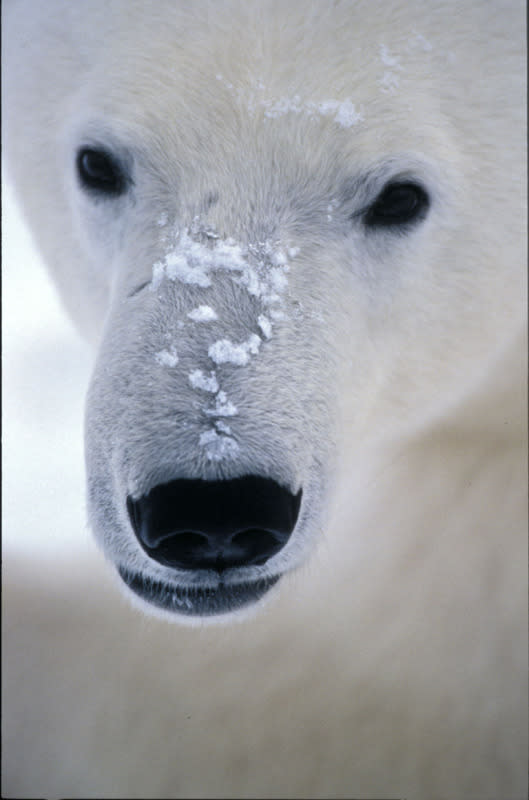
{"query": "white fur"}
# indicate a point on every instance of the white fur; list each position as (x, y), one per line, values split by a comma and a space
(380, 371)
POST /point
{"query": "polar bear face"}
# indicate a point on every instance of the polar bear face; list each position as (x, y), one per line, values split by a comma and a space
(214, 413)
(270, 236)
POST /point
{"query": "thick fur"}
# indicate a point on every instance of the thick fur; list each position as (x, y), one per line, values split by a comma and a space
(390, 387)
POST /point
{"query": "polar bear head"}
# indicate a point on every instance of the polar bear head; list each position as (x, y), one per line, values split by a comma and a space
(288, 229)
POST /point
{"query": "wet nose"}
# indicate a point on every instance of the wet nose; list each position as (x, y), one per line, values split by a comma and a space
(198, 524)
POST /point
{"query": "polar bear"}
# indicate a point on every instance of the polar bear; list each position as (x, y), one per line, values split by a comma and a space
(294, 234)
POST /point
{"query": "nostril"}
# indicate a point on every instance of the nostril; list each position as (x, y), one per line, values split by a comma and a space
(195, 524)
(257, 546)
(191, 548)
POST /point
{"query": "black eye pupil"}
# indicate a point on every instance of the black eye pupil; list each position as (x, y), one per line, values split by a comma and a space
(398, 204)
(100, 172)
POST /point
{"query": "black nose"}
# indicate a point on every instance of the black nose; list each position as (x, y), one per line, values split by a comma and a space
(196, 524)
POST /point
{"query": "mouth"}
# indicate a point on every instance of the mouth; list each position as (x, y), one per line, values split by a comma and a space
(197, 601)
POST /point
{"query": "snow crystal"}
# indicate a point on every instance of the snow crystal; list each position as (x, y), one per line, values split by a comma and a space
(199, 380)
(347, 115)
(158, 272)
(261, 267)
(261, 280)
(181, 267)
(202, 314)
(222, 408)
(279, 259)
(224, 351)
(222, 427)
(390, 79)
(218, 447)
(253, 97)
(284, 105)
(162, 220)
(208, 436)
(343, 112)
(387, 59)
(419, 40)
(250, 280)
(167, 358)
(265, 325)
(190, 261)
(278, 279)
(227, 254)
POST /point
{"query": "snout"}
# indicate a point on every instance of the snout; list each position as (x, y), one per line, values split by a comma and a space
(195, 526)
(213, 338)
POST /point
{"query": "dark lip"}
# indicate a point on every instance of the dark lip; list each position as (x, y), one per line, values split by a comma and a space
(197, 601)
(139, 288)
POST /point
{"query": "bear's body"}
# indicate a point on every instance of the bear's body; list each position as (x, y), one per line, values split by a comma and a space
(295, 234)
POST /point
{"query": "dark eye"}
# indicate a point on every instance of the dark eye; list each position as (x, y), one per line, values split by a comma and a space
(398, 204)
(100, 172)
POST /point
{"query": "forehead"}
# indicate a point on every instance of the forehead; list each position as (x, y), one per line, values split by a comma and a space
(230, 97)
(247, 73)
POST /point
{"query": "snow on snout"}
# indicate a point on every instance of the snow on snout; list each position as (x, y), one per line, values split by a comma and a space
(222, 408)
(218, 447)
(190, 261)
(167, 358)
(194, 256)
(226, 352)
(199, 380)
(203, 314)
(265, 325)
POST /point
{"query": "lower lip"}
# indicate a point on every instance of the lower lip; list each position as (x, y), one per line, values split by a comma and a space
(195, 601)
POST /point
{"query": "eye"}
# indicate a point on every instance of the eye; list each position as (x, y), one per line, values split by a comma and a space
(398, 204)
(99, 171)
